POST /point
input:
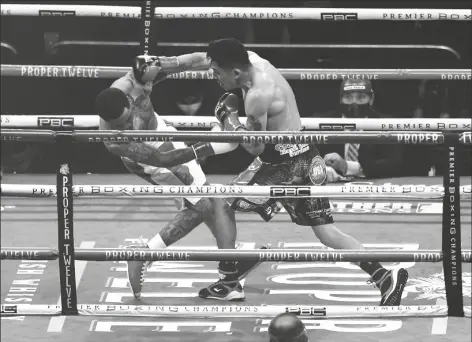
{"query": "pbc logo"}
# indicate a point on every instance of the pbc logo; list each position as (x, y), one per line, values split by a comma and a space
(9, 309)
(45, 13)
(338, 16)
(289, 191)
(306, 311)
(337, 127)
(55, 122)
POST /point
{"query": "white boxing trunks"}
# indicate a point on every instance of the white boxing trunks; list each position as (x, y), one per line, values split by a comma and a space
(186, 174)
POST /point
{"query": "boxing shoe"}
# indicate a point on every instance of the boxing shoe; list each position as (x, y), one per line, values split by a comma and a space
(223, 290)
(228, 287)
(137, 271)
(391, 286)
(245, 267)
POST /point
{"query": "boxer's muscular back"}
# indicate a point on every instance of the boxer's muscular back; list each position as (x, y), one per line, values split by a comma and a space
(142, 112)
(283, 112)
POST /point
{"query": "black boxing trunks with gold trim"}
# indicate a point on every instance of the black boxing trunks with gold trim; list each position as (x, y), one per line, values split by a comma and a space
(301, 165)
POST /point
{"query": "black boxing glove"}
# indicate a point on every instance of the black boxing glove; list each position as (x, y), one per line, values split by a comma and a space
(227, 112)
(266, 210)
(146, 68)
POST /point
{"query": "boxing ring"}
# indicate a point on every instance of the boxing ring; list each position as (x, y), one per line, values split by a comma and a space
(66, 130)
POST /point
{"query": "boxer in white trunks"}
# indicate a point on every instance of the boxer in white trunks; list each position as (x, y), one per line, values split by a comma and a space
(126, 105)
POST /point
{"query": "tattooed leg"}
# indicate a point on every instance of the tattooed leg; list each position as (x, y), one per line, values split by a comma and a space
(222, 223)
(183, 223)
(217, 215)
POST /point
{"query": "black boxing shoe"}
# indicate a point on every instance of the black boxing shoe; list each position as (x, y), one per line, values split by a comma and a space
(221, 290)
(228, 287)
(391, 286)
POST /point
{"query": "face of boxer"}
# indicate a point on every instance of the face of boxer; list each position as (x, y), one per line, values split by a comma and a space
(227, 78)
(357, 104)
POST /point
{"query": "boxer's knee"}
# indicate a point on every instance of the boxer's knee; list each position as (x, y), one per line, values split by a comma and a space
(326, 233)
(220, 207)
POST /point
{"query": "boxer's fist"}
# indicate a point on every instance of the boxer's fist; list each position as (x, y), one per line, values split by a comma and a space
(336, 162)
(146, 68)
(332, 175)
(227, 112)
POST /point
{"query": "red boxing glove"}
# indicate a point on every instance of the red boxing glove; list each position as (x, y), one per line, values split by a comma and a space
(227, 111)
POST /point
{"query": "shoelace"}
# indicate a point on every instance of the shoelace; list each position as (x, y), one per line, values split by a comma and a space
(378, 283)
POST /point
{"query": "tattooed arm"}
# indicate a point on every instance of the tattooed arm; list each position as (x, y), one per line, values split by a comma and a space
(256, 105)
(191, 61)
(148, 153)
(156, 68)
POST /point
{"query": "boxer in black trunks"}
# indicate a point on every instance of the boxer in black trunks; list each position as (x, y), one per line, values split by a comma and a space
(270, 105)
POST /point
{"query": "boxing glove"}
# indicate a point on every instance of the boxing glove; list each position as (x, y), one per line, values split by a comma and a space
(227, 112)
(146, 68)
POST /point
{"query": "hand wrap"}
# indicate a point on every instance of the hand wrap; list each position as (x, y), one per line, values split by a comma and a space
(202, 150)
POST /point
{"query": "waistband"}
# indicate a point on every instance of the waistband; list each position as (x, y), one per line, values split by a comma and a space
(280, 153)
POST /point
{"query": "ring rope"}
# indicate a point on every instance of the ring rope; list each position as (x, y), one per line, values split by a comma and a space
(245, 137)
(244, 311)
(331, 14)
(113, 72)
(69, 121)
(229, 191)
(272, 255)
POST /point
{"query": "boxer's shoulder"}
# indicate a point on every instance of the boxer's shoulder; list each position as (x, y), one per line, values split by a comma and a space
(259, 93)
(125, 84)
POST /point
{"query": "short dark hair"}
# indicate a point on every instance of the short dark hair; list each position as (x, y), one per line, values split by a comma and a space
(110, 103)
(228, 53)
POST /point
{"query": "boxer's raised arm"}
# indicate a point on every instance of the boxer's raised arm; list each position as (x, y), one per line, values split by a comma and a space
(193, 61)
(156, 68)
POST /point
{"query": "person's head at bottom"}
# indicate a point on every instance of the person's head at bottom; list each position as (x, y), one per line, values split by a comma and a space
(113, 106)
(287, 327)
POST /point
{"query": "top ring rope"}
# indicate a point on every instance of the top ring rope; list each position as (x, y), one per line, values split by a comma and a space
(112, 72)
(70, 121)
(245, 137)
(272, 13)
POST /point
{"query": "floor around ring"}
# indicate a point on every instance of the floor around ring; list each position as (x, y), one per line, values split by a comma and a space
(408, 224)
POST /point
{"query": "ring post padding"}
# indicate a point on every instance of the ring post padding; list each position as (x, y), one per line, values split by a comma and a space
(65, 222)
(451, 232)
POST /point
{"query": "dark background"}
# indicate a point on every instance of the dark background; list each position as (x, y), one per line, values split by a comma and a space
(30, 36)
